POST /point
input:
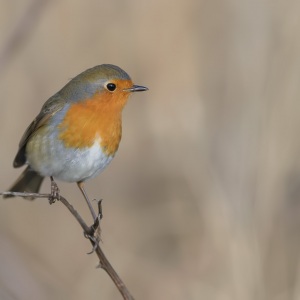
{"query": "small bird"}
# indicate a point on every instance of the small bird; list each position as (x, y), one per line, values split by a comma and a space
(77, 132)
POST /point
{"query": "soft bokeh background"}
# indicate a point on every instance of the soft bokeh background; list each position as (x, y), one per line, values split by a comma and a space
(202, 200)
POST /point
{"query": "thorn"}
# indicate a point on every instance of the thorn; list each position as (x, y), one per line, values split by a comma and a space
(99, 266)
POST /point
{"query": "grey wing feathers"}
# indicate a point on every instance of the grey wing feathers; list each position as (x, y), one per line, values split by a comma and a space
(48, 110)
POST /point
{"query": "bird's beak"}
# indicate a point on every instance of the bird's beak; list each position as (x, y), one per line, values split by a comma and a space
(136, 88)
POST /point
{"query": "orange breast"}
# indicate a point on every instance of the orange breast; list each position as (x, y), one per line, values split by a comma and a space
(96, 118)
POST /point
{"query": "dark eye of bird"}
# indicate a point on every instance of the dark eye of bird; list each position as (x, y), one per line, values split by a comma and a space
(111, 87)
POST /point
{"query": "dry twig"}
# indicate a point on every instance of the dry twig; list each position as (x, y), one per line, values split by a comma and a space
(89, 233)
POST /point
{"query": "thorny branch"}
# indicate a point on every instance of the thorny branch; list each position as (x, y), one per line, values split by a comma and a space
(90, 233)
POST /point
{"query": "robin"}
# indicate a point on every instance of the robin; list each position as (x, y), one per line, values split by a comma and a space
(78, 131)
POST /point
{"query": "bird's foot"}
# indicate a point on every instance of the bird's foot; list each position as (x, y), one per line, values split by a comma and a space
(94, 233)
(54, 192)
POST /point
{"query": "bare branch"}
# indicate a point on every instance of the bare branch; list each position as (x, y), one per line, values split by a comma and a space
(89, 233)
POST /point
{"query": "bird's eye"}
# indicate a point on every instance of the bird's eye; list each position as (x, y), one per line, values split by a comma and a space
(111, 87)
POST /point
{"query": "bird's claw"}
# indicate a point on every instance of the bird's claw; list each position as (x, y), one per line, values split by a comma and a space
(55, 193)
(95, 229)
(94, 240)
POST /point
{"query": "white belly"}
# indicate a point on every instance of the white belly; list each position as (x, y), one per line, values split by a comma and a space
(66, 164)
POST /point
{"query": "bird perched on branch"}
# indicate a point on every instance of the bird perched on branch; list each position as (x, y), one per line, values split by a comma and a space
(77, 132)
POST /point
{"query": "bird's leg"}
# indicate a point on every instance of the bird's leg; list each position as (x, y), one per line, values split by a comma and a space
(54, 191)
(95, 230)
(96, 226)
(80, 185)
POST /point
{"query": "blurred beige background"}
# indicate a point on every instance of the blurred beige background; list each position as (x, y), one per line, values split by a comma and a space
(202, 200)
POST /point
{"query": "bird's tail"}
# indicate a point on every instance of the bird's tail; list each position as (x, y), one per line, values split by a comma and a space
(29, 182)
